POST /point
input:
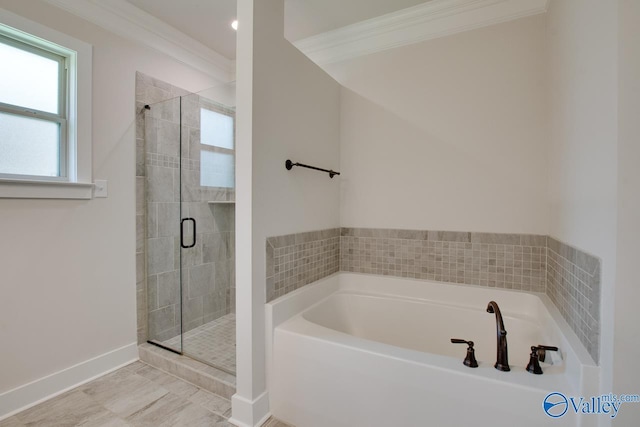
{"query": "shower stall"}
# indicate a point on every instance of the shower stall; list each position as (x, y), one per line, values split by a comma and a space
(189, 163)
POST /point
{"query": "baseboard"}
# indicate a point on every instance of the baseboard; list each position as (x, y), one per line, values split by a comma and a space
(247, 413)
(28, 395)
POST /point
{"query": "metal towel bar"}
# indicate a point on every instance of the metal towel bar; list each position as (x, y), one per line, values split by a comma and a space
(289, 165)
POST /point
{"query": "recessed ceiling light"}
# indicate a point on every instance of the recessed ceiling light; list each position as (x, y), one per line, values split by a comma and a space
(234, 25)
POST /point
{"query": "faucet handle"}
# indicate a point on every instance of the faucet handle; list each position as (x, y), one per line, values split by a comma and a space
(535, 359)
(542, 351)
(470, 360)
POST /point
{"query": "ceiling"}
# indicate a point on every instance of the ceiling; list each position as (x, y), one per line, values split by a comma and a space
(198, 32)
(209, 21)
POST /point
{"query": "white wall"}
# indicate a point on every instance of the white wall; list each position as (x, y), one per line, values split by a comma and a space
(626, 375)
(511, 128)
(594, 68)
(448, 134)
(287, 108)
(67, 267)
(582, 41)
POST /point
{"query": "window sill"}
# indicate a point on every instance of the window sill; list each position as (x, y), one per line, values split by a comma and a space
(28, 189)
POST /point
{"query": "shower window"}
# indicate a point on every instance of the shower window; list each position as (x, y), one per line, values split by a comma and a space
(217, 149)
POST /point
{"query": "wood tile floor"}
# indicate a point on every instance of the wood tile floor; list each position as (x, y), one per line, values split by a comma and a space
(136, 395)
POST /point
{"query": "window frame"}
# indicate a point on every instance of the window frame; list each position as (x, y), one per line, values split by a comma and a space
(60, 118)
(75, 113)
(210, 106)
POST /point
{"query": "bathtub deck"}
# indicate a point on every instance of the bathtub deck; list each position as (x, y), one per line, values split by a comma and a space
(377, 352)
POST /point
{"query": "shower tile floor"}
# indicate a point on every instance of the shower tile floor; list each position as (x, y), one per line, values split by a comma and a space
(213, 343)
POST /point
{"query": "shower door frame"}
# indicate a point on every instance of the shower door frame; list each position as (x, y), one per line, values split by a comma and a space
(187, 219)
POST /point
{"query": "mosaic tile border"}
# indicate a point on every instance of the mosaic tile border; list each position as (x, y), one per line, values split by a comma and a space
(295, 260)
(509, 261)
(532, 263)
(155, 159)
(573, 284)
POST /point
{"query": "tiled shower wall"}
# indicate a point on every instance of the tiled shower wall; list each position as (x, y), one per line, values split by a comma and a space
(148, 91)
(532, 263)
(208, 274)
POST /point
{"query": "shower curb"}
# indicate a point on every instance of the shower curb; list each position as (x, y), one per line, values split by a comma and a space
(197, 373)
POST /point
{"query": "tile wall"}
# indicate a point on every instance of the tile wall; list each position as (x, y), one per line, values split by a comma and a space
(532, 263)
(208, 269)
(509, 261)
(295, 260)
(148, 91)
(573, 284)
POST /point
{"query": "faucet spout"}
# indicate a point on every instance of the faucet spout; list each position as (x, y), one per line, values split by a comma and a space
(502, 358)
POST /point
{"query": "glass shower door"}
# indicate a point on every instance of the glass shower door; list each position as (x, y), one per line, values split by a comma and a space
(207, 189)
(163, 214)
(190, 216)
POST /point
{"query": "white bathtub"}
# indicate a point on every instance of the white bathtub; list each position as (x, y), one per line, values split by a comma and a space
(362, 350)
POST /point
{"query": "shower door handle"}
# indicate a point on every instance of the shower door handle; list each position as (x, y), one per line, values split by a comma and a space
(182, 233)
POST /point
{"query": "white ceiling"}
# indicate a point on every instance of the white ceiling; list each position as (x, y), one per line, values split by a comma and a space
(199, 33)
(207, 21)
(305, 18)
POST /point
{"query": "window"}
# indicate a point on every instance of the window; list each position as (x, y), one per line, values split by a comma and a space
(217, 155)
(33, 116)
(45, 112)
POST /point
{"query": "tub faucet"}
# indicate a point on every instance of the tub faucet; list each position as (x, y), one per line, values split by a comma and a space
(502, 360)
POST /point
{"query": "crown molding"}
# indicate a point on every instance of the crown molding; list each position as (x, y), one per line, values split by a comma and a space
(131, 22)
(429, 20)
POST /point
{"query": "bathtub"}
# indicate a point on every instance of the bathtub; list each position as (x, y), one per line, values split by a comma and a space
(363, 350)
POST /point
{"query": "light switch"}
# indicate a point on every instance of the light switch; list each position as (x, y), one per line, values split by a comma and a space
(100, 188)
